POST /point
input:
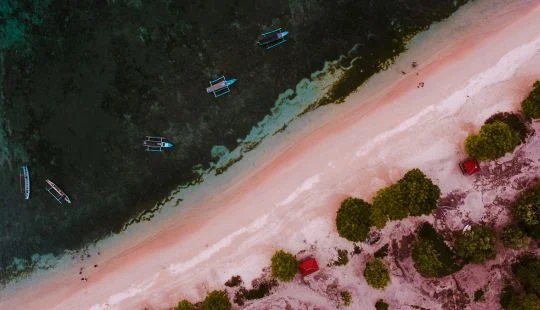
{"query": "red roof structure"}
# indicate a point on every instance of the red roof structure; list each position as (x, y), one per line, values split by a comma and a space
(469, 166)
(308, 267)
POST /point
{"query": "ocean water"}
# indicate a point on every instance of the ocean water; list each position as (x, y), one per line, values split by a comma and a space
(82, 83)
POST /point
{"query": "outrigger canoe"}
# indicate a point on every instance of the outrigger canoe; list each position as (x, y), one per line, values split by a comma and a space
(56, 192)
(24, 182)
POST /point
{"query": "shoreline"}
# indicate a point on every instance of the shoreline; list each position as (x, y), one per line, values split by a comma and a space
(237, 199)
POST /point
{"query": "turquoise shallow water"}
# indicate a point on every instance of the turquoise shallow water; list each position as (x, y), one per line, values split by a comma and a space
(84, 81)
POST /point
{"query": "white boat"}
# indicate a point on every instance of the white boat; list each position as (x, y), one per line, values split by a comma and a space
(24, 182)
(56, 192)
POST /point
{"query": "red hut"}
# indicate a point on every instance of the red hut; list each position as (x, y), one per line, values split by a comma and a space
(308, 267)
(469, 166)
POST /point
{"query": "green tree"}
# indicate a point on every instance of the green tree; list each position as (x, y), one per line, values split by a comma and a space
(216, 300)
(524, 302)
(346, 298)
(526, 211)
(354, 219)
(378, 216)
(381, 305)
(527, 271)
(376, 273)
(476, 245)
(515, 121)
(493, 141)
(420, 194)
(284, 266)
(184, 305)
(531, 105)
(513, 237)
(391, 201)
(426, 259)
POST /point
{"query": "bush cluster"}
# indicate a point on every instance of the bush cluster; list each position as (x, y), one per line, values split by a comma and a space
(353, 219)
(413, 195)
(346, 298)
(260, 289)
(527, 271)
(185, 305)
(515, 121)
(381, 305)
(492, 142)
(526, 211)
(531, 105)
(284, 266)
(376, 273)
(431, 256)
(216, 300)
(513, 237)
(476, 245)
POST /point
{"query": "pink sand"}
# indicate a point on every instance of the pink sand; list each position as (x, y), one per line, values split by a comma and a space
(285, 193)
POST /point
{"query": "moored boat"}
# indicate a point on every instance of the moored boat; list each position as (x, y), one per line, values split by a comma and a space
(24, 182)
(56, 192)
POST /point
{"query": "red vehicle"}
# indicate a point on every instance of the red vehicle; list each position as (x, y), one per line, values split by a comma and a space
(469, 166)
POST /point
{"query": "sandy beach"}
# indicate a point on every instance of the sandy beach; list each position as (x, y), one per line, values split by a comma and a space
(285, 193)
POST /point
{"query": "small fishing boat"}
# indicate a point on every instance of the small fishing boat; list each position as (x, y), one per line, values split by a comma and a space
(273, 38)
(56, 192)
(220, 86)
(156, 144)
(24, 182)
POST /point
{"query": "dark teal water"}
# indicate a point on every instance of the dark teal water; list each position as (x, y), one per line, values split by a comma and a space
(84, 81)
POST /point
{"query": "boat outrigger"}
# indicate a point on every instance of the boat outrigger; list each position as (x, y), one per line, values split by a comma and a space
(24, 182)
(156, 144)
(273, 38)
(56, 192)
(220, 86)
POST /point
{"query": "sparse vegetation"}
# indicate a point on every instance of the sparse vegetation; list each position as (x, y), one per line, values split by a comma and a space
(376, 273)
(431, 256)
(381, 305)
(493, 141)
(185, 305)
(531, 105)
(259, 290)
(513, 237)
(479, 295)
(414, 195)
(526, 211)
(346, 298)
(354, 219)
(476, 245)
(342, 259)
(216, 300)
(234, 281)
(284, 266)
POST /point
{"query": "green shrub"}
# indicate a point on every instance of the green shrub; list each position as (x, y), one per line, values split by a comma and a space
(376, 273)
(515, 121)
(346, 298)
(184, 305)
(216, 300)
(493, 141)
(527, 271)
(513, 237)
(382, 252)
(506, 296)
(526, 211)
(431, 256)
(343, 258)
(476, 245)
(524, 302)
(354, 219)
(531, 105)
(381, 305)
(284, 266)
(234, 281)
(479, 295)
(414, 194)
(259, 290)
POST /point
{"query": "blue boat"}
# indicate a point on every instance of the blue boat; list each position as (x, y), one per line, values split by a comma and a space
(24, 182)
(273, 38)
(156, 144)
(220, 86)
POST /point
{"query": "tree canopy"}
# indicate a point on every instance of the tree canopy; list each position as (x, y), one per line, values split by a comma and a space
(513, 237)
(431, 256)
(476, 245)
(493, 141)
(353, 219)
(515, 121)
(531, 104)
(527, 271)
(376, 273)
(526, 211)
(185, 305)
(414, 194)
(216, 300)
(284, 266)
(381, 305)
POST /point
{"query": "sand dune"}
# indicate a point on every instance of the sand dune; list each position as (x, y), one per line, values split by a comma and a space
(285, 193)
